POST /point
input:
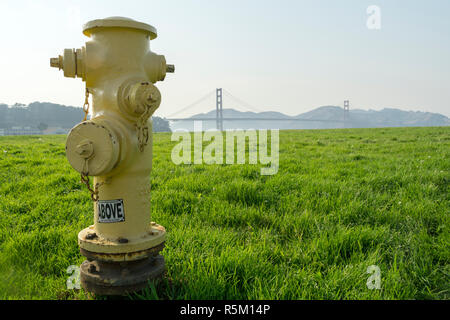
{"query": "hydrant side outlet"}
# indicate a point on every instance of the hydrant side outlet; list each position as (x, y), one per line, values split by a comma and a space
(115, 148)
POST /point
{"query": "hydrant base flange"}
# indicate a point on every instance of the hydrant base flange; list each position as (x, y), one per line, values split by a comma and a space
(89, 240)
(123, 257)
(112, 278)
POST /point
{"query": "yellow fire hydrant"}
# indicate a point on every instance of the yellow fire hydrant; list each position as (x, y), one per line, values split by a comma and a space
(115, 147)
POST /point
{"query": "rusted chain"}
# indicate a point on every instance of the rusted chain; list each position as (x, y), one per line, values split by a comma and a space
(86, 104)
(142, 129)
(85, 181)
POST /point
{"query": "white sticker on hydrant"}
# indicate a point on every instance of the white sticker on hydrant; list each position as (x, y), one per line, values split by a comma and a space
(110, 211)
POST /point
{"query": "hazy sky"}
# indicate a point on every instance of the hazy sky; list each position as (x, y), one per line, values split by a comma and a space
(287, 56)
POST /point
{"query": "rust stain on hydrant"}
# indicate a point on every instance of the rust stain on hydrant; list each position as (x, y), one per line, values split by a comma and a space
(115, 147)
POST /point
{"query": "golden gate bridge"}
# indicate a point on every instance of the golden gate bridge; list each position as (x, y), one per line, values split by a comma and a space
(219, 118)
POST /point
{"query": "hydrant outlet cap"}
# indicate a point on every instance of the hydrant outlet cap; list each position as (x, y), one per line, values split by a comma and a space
(92, 148)
(119, 22)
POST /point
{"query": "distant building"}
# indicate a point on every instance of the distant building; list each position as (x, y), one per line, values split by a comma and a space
(56, 130)
(19, 131)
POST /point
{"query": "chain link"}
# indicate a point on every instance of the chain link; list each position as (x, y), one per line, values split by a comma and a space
(93, 192)
(85, 181)
(142, 129)
(86, 104)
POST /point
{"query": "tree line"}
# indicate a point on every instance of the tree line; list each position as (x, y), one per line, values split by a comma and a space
(42, 115)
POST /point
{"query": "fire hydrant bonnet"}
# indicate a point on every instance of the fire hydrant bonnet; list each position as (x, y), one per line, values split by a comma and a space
(119, 22)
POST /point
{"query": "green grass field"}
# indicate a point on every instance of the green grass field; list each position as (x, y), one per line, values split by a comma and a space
(341, 201)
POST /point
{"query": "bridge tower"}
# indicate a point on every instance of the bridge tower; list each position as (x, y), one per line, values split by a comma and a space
(219, 114)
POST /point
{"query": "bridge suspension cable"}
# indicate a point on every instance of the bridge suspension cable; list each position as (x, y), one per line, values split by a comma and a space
(206, 96)
(241, 102)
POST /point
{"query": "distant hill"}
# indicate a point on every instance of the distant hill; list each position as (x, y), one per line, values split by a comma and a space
(54, 115)
(56, 118)
(387, 117)
(357, 118)
(50, 117)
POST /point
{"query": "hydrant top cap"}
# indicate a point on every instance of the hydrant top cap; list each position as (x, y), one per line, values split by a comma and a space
(120, 22)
